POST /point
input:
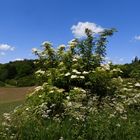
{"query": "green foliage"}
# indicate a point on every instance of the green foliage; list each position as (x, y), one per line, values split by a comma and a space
(18, 73)
(131, 70)
(80, 97)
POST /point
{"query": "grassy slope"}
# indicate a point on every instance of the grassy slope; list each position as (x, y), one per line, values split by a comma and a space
(12, 97)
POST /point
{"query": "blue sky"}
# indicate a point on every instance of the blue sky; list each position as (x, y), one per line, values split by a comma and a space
(25, 24)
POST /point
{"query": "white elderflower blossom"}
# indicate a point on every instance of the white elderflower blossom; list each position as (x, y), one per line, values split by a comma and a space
(40, 72)
(60, 90)
(52, 91)
(38, 88)
(69, 104)
(34, 50)
(105, 66)
(76, 71)
(73, 76)
(74, 60)
(48, 111)
(120, 79)
(46, 43)
(82, 77)
(68, 97)
(67, 74)
(27, 109)
(40, 96)
(137, 85)
(76, 88)
(45, 116)
(7, 116)
(85, 72)
(117, 70)
(137, 95)
(72, 43)
(124, 117)
(120, 108)
(73, 40)
(61, 138)
(62, 47)
(84, 91)
(118, 125)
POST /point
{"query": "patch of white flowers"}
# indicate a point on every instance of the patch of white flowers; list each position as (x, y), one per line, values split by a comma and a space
(40, 72)
(46, 44)
(34, 50)
(67, 74)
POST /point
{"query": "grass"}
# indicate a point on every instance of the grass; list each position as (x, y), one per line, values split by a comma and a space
(11, 97)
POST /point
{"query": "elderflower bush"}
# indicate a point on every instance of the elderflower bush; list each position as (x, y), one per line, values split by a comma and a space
(79, 97)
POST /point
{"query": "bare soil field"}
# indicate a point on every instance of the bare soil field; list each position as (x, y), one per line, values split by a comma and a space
(12, 97)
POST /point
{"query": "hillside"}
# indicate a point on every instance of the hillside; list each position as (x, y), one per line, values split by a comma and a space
(18, 73)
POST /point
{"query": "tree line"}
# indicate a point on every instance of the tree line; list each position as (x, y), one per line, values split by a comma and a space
(22, 73)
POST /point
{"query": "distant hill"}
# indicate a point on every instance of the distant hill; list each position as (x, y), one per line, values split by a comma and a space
(131, 70)
(18, 73)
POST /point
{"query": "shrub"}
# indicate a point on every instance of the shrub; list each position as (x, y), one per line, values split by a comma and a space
(80, 98)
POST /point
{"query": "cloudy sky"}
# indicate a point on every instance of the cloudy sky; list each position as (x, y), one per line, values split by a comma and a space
(25, 24)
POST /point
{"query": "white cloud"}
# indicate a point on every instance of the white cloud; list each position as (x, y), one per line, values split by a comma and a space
(18, 59)
(137, 37)
(79, 29)
(6, 47)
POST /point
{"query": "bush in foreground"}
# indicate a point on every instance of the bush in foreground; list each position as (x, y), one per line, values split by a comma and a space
(81, 97)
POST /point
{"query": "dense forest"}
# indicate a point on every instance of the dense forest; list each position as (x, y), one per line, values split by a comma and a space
(18, 73)
(22, 73)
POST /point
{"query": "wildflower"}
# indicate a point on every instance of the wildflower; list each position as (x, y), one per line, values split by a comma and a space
(117, 70)
(73, 76)
(120, 108)
(38, 88)
(125, 89)
(76, 88)
(7, 116)
(48, 111)
(45, 116)
(40, 72)
(137, 85)
(83, 90)
(73, 43)
(74, 60)
(46, 44)
(85, 72)
(68, 97)
(60, 90)
(69, 104)
(105, 66)
(137, 95)
(111, 116)
(51, 91)
(52, 105)
(11, 137)
(61, 47)
(118, 125)
(27, 109)
(75, 71)
(67, 74)
(40, 96)
(124, 117)
(61, 138)
(34, 50)
(82, 77)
